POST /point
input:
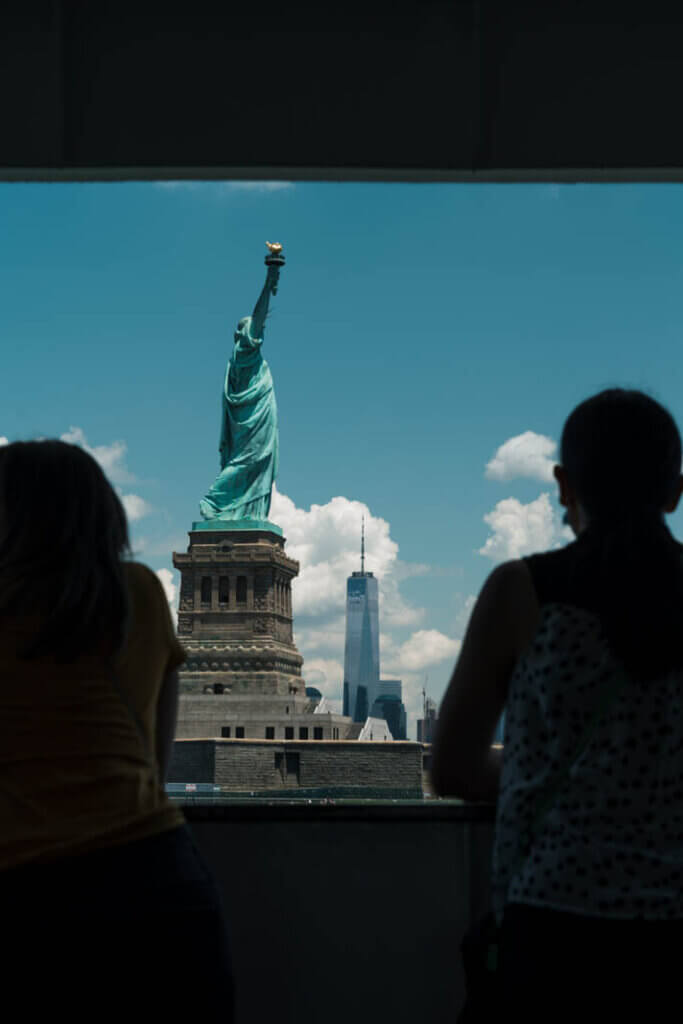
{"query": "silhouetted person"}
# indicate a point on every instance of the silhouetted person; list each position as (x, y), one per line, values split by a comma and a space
(592, 923)
(106, 905)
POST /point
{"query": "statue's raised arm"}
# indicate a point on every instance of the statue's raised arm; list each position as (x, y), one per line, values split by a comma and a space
(249, 433)
(274, 260)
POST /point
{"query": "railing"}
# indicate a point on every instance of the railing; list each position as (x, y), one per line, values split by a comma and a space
(347, 911)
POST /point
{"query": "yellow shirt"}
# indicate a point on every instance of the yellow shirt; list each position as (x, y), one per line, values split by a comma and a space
(74, 772)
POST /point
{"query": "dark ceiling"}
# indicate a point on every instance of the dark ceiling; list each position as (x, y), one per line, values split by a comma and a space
(95, 88)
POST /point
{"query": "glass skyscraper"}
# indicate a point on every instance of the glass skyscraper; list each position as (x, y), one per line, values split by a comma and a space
(361, 650)
(390, 707)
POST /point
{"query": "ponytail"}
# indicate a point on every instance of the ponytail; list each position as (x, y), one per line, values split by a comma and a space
(638, 577)
(622, 454)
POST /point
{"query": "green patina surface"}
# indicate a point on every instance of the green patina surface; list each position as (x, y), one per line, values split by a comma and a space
(248, 444)
(235, 525)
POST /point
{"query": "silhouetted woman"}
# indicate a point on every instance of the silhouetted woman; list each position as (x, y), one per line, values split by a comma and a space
(593, 921)
(106, 905)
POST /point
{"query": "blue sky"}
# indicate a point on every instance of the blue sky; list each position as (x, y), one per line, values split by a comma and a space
(417, 329)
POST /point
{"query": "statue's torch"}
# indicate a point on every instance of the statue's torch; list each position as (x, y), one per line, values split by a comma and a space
(275, 258)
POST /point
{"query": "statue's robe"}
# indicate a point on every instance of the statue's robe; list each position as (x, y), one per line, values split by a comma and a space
(249, 436)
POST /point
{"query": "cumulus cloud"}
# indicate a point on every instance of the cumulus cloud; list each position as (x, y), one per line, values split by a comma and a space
(463, 616)
(167, 580)
(525, 455)
(3, 440)
(325, 540)
(111, 457)
(520, 529)
(424, 648)
(327, 675)
(135, 506)
(320, 633)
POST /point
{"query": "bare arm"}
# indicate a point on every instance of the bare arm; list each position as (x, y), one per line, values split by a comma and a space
(167, 714)
(503, 621)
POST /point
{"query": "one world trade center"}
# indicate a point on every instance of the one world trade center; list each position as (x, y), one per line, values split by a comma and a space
(361, 650)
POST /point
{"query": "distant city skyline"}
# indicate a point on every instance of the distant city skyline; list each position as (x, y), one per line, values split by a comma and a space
(427, 345)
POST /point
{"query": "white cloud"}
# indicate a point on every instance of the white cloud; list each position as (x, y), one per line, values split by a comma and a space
(167, 579)
(320, 633)
(520, 529)
(327, 674)
(423, 648)
(3, 440)
(526, 455)
(463, 617)
(111, 457)
(169, 585)
(135, 506)
(325, 540)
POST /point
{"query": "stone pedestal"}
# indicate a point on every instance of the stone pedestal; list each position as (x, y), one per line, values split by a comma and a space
(235, 612)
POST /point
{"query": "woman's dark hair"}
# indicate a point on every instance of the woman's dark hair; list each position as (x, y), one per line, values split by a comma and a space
(63, 535)
(621, 451)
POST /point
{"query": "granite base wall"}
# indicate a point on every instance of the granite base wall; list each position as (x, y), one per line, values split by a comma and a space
(272, 766)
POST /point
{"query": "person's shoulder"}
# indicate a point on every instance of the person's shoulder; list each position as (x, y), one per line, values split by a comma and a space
(510, 583)
(563, 573)
(510, 575)
(141, 578)
(136, 571)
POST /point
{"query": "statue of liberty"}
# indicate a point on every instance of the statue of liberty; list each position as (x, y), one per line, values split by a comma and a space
(249, 437)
